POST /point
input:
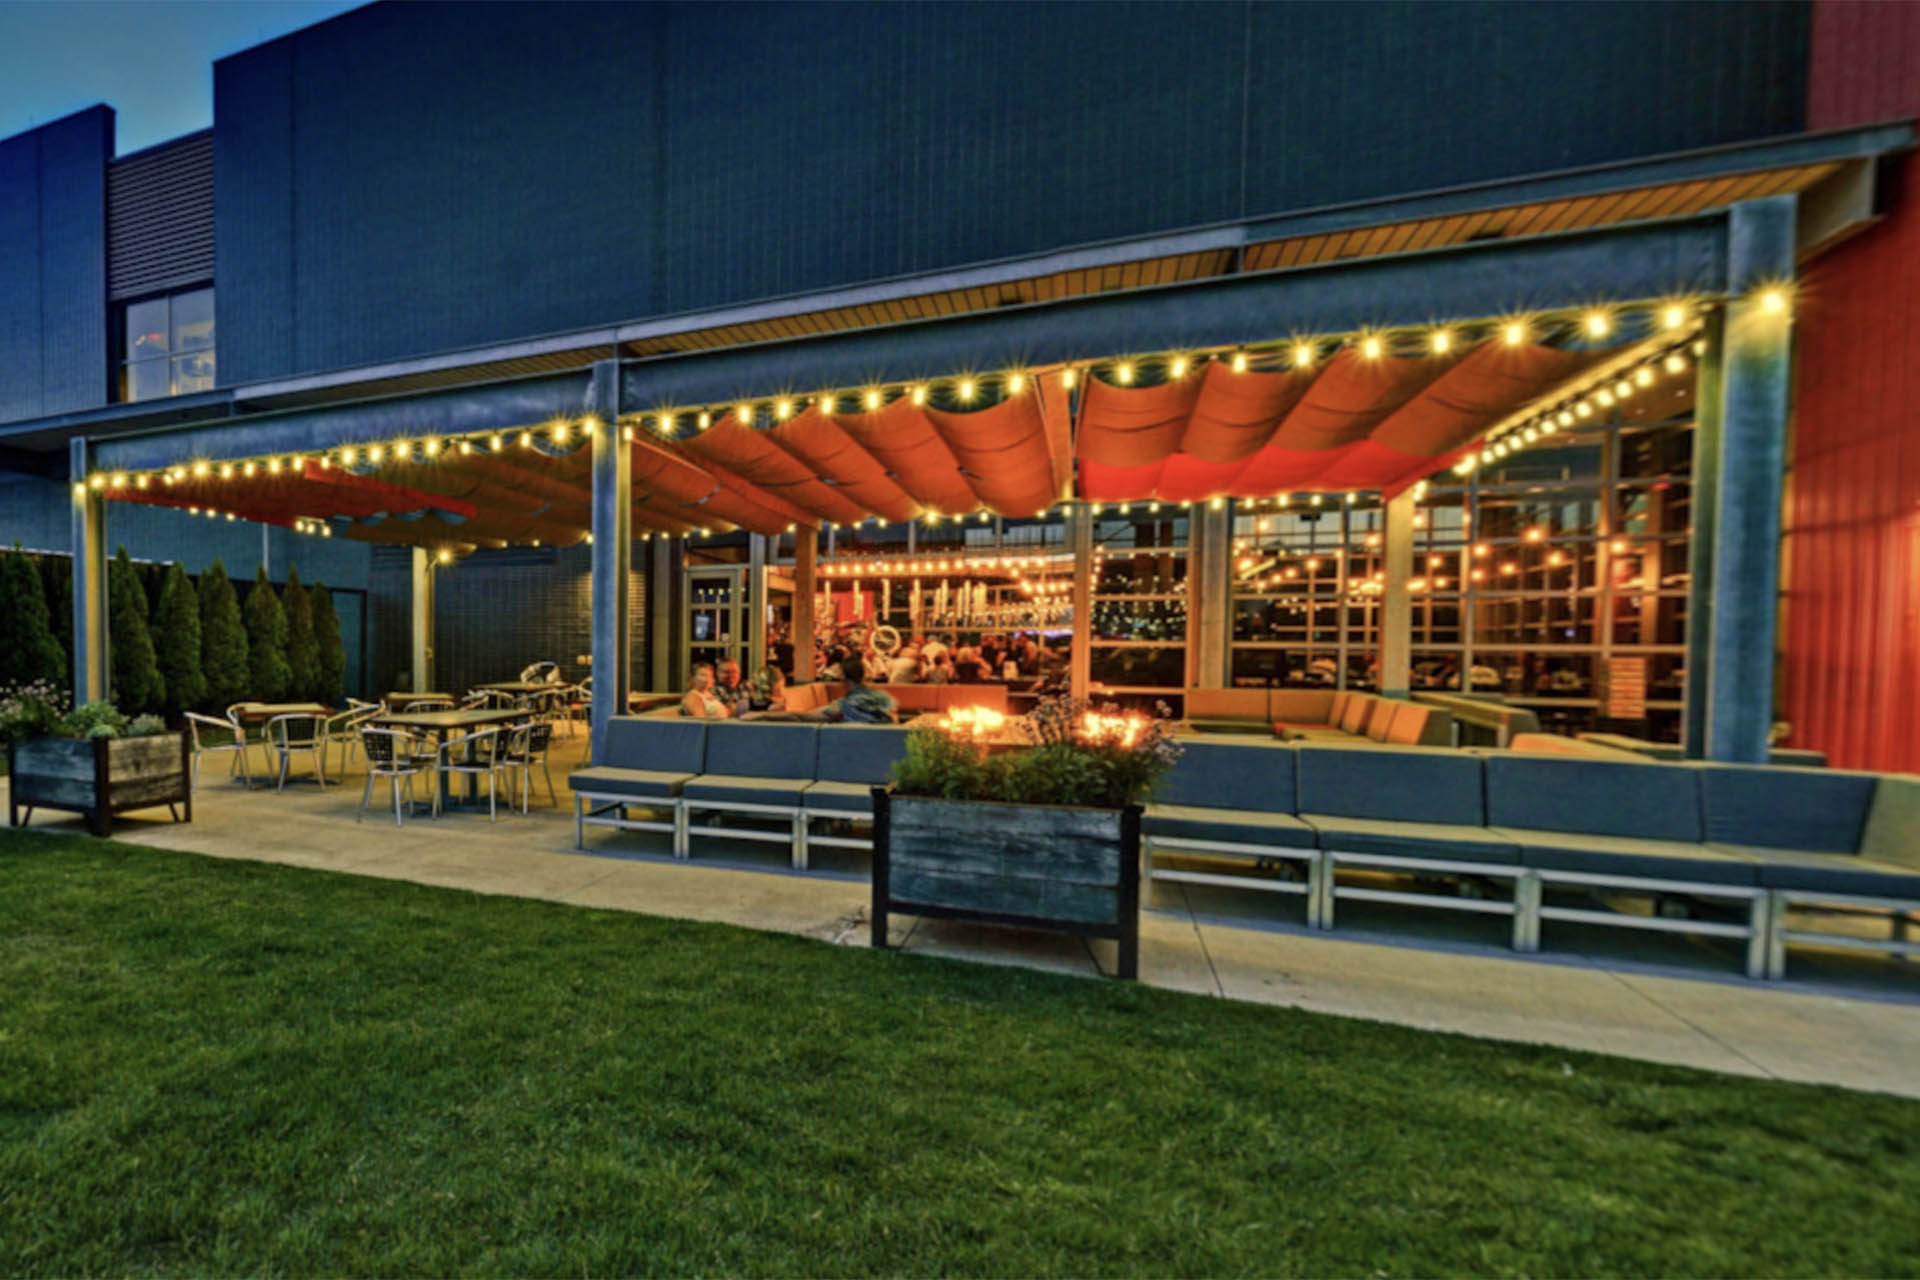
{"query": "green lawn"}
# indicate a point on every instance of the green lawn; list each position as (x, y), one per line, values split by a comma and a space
(217, 1067)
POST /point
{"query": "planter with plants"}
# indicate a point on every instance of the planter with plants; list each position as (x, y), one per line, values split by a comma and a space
(92, 760)
(1043, 835)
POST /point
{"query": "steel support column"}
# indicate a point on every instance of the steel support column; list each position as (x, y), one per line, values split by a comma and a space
(1396, 604)
(612, 554)
(1700, 558)
(805, 556)
(663, 611)
(1080, 539)
(422, 628)
(1210, 597)
(89, 583)
(1755, 373)
(759, 556)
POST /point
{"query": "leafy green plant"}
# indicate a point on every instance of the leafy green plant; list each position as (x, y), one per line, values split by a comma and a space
(136, 680)
(1077, 756)
(31, 710)
(330, 670)
(29, 650)
(141, 726)
(95, 720)
(176, 628)
(267, 667)
(223, 639)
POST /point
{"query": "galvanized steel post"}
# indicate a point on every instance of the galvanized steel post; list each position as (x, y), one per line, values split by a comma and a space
(89, 581)
(612, 552)
(1396, 603)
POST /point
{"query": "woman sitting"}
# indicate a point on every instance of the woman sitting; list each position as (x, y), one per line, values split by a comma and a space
(767, 691)
(701, 703)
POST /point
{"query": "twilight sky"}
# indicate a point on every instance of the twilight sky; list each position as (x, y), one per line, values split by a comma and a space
(150, 60)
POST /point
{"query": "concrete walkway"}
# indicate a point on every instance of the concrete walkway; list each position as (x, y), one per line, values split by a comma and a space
(1844, 1020)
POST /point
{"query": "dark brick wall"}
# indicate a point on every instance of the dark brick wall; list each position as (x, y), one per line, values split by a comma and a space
(53, 266)
(495, 612)
(450, 175)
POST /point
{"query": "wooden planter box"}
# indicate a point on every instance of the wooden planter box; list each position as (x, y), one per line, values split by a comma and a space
(100, 777)
(1060, 867)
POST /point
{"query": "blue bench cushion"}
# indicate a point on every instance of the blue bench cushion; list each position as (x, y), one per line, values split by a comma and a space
(753, 750)
(1233, 826)
(862, 753)
(1893, 824)
(663, 746)
(1818, 810)
(746, 789)
(1627, 856)
(1829, 872)
(1412, 839)
(841, 797)
(1594, 797)
(1392, 784)
(645, 784)
(1246, 773)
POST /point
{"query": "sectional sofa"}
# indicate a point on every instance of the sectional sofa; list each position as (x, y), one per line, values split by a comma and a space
(1763, 855)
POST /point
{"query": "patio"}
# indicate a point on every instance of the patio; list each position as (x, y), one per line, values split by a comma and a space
(1844, 1019)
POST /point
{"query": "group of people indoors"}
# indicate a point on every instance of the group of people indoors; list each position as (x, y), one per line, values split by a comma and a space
(722, 692)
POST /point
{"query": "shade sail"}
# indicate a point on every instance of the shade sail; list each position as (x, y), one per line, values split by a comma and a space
(1351, 423)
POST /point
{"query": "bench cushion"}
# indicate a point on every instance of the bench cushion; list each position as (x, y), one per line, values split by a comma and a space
(1244, 705)
(1627, 856)
(745, 789)
(1594, 797)
(859, 753)
(1234, 826)
(1893, 824)
(1412, 839)
(754, 750)
(1818, 810)
(1391, 784)
(1301, 706)
(644, 742)
(1380, 718)
(1358, 710)
(1245, 773)
(645, 784)
(841, 797)
(1829, 872)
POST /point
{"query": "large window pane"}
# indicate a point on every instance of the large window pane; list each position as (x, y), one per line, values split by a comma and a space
(147, 330)
(146, 380)
(193, 372)
(193, 320)
(1163, 667)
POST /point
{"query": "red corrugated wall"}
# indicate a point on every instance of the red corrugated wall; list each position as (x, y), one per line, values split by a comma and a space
(1850, 671)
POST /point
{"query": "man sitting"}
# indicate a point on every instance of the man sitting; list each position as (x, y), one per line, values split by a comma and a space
(861, 704)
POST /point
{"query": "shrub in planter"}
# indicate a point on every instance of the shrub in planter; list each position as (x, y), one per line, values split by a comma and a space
(223, 640)
(268, 674)
(1046, 835)
(91, 760)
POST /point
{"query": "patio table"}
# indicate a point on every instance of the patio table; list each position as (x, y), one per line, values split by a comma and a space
(401, 701)
(261, 712)
(444, 725)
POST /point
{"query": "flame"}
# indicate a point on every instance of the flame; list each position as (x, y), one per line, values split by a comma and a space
(972, 722)
(1112, 730)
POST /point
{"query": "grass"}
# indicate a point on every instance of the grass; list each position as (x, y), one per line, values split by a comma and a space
(220, 1067)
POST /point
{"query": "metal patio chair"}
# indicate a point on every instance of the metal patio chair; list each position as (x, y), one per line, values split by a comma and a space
(470, 754)
(234, 742)
(290, 734)
(343, 731)
(522, 748)
(389, 755)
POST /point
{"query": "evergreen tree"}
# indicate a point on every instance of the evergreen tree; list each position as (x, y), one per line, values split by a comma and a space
(330, 680)
(223, 640)
(56, 575)
(28, 650)
(135, 679)
(303, 658)
(176, 639)
(266, 641)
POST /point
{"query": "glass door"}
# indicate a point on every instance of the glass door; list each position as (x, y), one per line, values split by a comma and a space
(714, 614)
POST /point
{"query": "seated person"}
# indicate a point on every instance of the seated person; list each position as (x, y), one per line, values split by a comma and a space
(862, 704)
(967, 666)
(701, 702)
(728, 685)
(941, 670)
(904, 667)
(766, 692)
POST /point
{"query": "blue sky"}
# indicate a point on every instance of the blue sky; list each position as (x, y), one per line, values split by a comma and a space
(150, 60)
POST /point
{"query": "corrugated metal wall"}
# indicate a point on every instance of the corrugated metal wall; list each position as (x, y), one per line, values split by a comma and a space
(160, 218)
(448, 177)
(1851, 663)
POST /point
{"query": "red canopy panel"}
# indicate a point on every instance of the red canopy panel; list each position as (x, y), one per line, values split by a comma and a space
(754, 457)
(1004, 454)
(1354, 423)
(818, 442)
(658, 474)
(915, 455)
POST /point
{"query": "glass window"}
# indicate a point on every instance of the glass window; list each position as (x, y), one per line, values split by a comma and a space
(167, 346)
